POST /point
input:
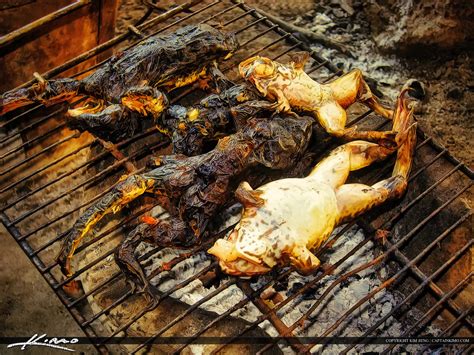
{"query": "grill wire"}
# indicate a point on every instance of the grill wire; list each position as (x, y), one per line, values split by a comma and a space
(243, 20)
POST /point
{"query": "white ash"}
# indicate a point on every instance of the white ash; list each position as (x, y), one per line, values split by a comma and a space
(339, 300)
(385, 69)
(195, 291)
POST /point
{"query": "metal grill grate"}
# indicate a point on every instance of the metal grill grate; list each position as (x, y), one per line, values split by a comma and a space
(36, 157)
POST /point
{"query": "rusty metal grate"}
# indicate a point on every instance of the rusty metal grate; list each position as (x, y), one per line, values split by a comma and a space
(32, 160)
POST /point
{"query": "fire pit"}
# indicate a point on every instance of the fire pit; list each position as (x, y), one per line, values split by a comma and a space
(401, 271)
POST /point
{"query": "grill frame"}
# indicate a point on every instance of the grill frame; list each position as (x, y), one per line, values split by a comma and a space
(393, 250)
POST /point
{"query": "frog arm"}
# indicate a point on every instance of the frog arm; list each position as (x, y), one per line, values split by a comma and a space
(282, 103)
(304, 261)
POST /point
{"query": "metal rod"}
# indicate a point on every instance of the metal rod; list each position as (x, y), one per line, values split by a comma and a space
(43, 168)
(231, 310)
(427, 165)
(185, 313)
(386, 284)
(237, 18)
(38, 138)
(27, 127)
(227, 9)
(273, 318)
(251, 24)
(439, 147)
(64, 215)
(89, 162)
(45, 150)
(451, 326)
(288, 50)
(85, 183)
(20, 115)
(272, 43)
(161, 298)
(419, 288)
(36, 25)
(434, 288)
(420, 322)
(103, 283)
(118, 155)
(391, 222)
(259, 35)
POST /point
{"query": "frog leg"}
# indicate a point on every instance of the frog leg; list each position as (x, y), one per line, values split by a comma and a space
(128, 263)
(355, 199)
(157, 232)
(304, 261)
(335, 168)
(332, 117)
(125, 191)
(352, 87)
(113, 123)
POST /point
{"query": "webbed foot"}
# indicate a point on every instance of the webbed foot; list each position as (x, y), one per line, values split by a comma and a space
(149, 292)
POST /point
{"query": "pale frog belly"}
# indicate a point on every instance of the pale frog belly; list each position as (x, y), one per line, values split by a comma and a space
(304, 94)
(303, 210)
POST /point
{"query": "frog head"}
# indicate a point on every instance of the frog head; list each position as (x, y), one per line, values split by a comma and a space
(244, 252)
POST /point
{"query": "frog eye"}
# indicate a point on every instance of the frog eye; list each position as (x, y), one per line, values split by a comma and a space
(264, 69)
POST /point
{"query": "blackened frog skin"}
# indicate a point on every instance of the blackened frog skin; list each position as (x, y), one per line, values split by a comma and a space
(133, 83)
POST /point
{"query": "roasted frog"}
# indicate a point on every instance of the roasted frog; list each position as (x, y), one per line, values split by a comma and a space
(192, 189)
(215, 116)
(285, 219)
(116, 122)
(292, 89)
(131, 78)
(189, 128)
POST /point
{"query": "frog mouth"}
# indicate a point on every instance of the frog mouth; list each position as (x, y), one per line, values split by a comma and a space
(235, 263)
(241, 266)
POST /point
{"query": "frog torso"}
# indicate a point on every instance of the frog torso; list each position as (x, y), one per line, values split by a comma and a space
(295, 212)
(279, 82)
(302, 92)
